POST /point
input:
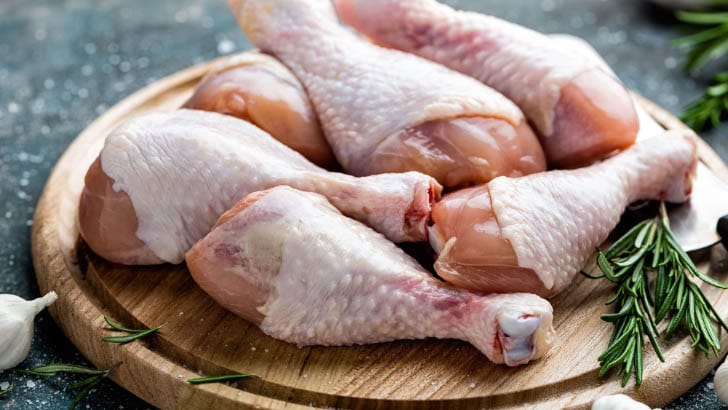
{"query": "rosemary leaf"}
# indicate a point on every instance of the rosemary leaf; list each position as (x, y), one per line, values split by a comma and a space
(55, 368)
(119, 328)
(84, 392)
(85, 382)
(709, 18)
(5, 392)
(131, 337)
(219, 379)
(590, 276)
(700, 55)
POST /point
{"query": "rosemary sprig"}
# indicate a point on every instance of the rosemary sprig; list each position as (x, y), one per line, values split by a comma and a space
(675, 293)
(711, 107)
(219, 379)
(5, 392)
(651, 247)
(633, 303)
(134, 334)
(709, 41)
(85, 384)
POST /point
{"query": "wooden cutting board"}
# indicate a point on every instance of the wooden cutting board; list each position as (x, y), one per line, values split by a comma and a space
(201, 337)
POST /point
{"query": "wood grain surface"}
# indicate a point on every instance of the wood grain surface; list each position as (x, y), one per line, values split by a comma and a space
(203, 338)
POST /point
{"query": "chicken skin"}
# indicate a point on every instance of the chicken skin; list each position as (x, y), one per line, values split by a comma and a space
(387, 111)
(533, 234)
(257, 88)
(163, 179)
(291, 263)
(580, 112)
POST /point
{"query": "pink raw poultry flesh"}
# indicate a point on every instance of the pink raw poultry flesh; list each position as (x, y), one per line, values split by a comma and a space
(256, 87)
(387, 111)
(533, 234)
(289, 262)
(581, 113)
(163, 179)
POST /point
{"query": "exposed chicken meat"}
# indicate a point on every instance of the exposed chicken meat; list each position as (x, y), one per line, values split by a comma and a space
(256, 87)
(387, 111)
(163, 179)
(533, 234)
(581, 113)
(289, 262)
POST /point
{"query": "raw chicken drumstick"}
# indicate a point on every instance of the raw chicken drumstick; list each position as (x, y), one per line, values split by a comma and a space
(581, 113)
(289, 262)
(533, 234)
(162, 180)
(256, 87)
(388, 111)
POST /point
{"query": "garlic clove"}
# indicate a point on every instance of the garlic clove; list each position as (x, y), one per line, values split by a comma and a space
(720, 382)
(16, 326)
(618, 402)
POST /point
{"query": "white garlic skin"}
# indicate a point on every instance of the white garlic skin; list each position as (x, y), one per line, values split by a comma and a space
(16, 326)
(720, 382)
(618, 402)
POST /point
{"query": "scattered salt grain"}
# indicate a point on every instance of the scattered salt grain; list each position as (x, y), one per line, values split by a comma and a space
(225, 46)
(29, 384)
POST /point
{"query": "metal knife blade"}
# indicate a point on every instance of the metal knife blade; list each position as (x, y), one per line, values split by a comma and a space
(694, 223)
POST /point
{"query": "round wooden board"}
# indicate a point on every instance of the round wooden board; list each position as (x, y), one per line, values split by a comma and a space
(202, 337)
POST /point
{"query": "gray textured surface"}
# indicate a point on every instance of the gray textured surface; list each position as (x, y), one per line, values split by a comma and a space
(64, 63)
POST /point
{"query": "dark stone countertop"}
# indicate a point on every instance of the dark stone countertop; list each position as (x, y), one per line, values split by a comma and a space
(62, 63)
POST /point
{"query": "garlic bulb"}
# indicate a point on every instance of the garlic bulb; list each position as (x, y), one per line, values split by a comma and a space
(618, 402)
(720, 381)
(16, 326)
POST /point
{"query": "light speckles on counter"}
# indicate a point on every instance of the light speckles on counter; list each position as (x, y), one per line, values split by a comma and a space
(51, 51)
